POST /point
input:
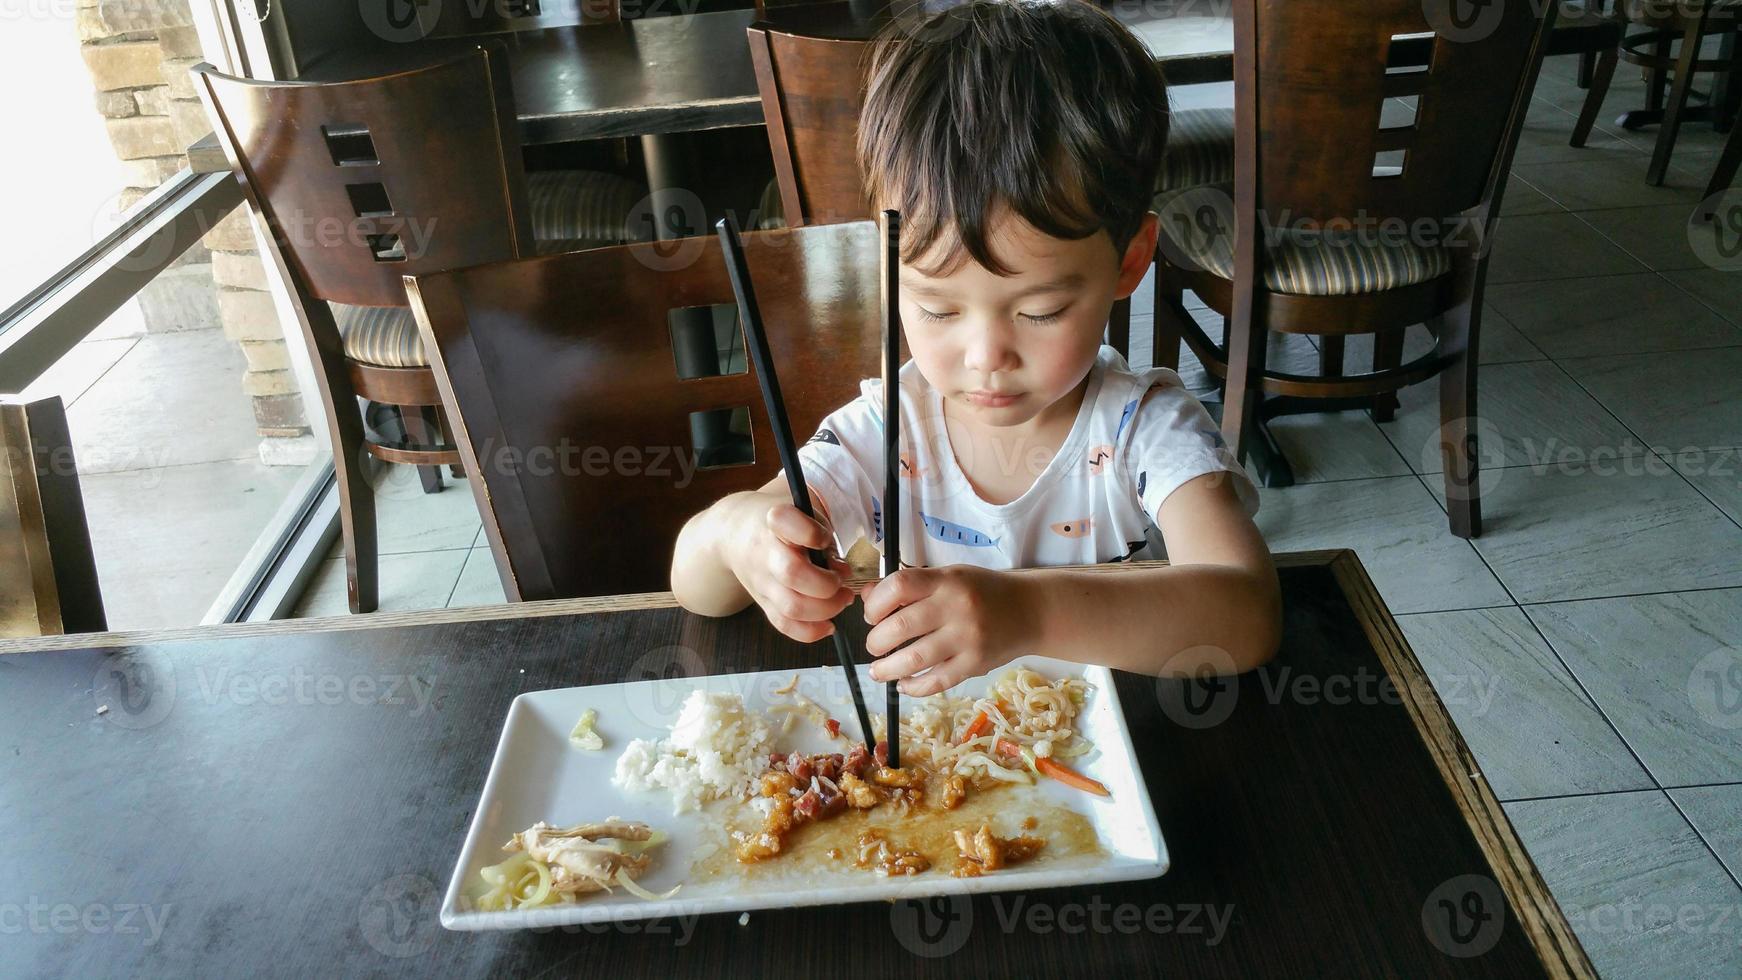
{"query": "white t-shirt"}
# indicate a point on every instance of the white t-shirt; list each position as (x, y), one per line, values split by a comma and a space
(1136, 439)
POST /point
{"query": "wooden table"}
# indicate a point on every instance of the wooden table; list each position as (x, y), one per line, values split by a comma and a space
(291, 797)
(686, 73)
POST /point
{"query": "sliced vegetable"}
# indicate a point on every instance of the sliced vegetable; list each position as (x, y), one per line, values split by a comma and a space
(981, 724)
(630, 886)
(1070, 777)
(584, 737)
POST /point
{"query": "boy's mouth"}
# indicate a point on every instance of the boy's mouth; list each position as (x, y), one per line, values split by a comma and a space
(992, 399)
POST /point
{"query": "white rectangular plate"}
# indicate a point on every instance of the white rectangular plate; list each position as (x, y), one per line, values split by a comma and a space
(537, 775)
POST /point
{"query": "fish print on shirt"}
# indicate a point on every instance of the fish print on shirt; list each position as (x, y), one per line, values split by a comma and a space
(909, 468)
(1124, 417)
(957, 534)
(1142, 480)
(876, 520)
(826, 435)
(1099, 457)
(1078, 528)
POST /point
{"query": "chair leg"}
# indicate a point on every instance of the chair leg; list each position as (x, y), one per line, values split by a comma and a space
(1165, 329)
(1387, 354)
(1119, 327)
(1331, 355)
(1458, 449)
(1242, 395)
(356, 512)
(420, 429)
(1678, 103)
(1724, 174)
(458, 471)
(1601, 76)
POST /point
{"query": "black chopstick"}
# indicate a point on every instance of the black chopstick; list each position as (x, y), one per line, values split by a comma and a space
(890, 255)
(756, 339)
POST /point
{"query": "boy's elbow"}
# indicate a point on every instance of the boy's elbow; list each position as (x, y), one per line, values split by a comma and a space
(1265, 635)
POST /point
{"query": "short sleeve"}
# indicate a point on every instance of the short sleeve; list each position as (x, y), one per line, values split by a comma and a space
(1172, 440)
(836, 468)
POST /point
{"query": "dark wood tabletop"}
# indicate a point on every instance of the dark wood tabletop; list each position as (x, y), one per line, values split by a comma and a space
(692, 72)
(290, 798)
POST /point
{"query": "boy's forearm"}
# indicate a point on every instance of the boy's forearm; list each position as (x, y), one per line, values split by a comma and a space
(701, 577)
(1175, 621)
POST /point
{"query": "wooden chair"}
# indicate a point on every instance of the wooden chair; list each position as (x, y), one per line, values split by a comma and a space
(1264, 252)
(1661, 24)
(812, 87)
(572, 427)
(48, 576)
(359, 183)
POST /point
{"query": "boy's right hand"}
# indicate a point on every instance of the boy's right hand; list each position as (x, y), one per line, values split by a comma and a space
(770, 557)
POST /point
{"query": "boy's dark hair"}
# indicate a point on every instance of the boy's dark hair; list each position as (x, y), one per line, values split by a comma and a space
(1052, 109)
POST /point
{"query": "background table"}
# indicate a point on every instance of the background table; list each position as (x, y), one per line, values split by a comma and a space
(291, 798)
(681, 74)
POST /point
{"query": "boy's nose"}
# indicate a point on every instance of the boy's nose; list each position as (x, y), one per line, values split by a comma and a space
(990, 349)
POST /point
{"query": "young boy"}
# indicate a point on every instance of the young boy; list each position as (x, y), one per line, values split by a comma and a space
(1020, 142)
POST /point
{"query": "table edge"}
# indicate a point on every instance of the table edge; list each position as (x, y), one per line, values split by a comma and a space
(1545, 926)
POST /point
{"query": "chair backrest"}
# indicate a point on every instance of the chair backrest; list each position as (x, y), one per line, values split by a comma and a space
(1311, 80)
(812, 90)
(48, 576)
(560, 377)
(360, 183)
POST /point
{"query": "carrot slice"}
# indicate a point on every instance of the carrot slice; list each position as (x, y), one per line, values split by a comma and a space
(976, 728)
(1070, 777)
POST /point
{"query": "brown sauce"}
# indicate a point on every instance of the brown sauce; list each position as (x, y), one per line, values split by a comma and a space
(1010, 811)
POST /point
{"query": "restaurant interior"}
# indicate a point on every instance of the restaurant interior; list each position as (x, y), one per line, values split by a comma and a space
(367, 364)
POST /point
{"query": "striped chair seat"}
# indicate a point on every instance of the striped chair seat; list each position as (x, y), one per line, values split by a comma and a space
(1200, 149)
(571, 210)
(1197, 232)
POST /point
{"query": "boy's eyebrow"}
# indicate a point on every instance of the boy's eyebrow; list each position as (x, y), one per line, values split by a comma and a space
(1072, 281)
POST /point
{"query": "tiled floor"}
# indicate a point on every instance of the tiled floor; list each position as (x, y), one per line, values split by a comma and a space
(1589, 644)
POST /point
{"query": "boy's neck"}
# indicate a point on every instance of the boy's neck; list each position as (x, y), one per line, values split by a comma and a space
(1004, 461)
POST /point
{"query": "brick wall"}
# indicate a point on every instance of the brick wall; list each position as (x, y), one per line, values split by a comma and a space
(139, 53)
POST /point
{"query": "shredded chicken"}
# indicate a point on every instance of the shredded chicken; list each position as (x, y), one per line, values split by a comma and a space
(578, 862)
(860, 794)
(984, 851)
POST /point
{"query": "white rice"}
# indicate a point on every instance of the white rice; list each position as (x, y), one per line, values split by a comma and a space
(716, 751)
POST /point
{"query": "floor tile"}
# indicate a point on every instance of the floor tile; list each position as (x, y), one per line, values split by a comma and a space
(1661, 237)
(479, 583)
(1521, 198)
(1717, 475)
(1530, 412)
(1667, 670)
(1533, 730)
(166, 570)
(408, 520)
(1615, 180)
(1336, 446)
(423, 580)
(1642, 893)
(1681, 400)
(174, 399)
(1500, 343)
(1722, 291)
(1547, 134)
(1716, 813)
(1398, 531)
(1588, 529)
(1611, 315)
(1554, 246)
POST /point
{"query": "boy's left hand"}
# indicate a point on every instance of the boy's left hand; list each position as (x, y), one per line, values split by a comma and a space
(962, 621)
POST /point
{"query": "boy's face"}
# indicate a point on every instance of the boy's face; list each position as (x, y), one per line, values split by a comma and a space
(1003, 349)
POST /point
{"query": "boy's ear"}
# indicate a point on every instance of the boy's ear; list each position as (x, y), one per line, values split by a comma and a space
(1139, 255)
